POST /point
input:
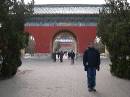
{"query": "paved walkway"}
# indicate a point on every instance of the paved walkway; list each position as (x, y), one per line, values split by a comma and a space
(44, 78)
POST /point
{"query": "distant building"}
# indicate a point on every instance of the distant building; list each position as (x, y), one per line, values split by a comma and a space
(63, 27)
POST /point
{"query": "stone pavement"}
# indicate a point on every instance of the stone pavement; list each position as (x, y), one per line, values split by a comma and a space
(44, 78)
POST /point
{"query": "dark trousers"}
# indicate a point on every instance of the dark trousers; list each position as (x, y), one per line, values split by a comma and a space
(61, 59)
(72, 60)
(91, 77)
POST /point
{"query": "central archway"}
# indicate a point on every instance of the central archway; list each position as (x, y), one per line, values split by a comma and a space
(64, 40)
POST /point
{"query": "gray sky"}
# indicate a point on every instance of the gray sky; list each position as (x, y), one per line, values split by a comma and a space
(69, 1)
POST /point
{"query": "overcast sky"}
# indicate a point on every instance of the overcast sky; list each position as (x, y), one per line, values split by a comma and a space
(69, 1)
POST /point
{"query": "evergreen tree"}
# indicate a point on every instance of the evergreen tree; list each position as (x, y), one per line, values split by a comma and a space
(13, 15)
(114, 30)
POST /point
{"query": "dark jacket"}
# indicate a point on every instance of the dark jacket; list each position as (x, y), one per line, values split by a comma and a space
(72, 55)
(91, 58)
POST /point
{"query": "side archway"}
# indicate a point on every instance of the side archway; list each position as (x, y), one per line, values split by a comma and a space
(31, 45)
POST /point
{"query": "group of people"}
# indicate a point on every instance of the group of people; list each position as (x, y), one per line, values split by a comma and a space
(71, 55)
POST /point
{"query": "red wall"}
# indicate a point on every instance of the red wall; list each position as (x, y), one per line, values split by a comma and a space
(44, 36)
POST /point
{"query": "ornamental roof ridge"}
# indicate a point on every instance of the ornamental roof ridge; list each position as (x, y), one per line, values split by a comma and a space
(67, 8)
(68, 5)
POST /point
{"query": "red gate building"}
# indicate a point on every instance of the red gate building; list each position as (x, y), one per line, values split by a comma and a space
(51, 23)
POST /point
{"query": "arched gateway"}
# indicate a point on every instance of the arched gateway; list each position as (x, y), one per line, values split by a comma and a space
(64, 40)
(63, 27)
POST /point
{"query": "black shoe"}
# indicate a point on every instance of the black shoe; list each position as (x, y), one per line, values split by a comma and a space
(94, 90)
(90, 89)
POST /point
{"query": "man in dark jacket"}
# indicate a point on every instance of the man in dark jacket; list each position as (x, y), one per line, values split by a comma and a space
(72, 56)
(54, 56)
(91, 62)
(61, 56)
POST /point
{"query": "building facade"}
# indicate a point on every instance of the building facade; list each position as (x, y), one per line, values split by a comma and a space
(63, 27)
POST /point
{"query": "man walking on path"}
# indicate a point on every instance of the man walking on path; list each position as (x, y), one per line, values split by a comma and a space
(61, 56)
(91, 62)
(54, 56)
(72, 56)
